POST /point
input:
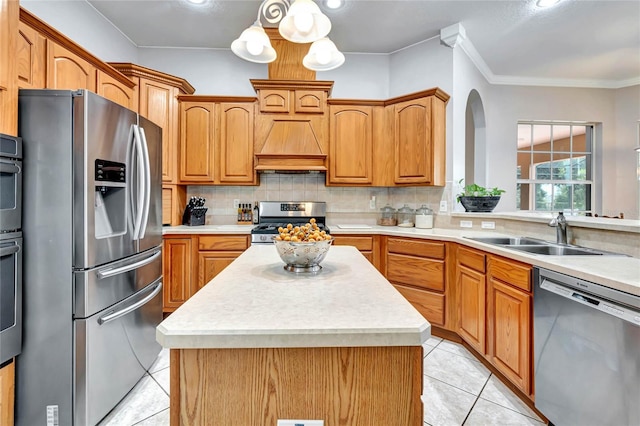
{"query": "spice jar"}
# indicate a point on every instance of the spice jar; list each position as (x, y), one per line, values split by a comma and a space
(387, 216)
(406, 216)
(424, 217)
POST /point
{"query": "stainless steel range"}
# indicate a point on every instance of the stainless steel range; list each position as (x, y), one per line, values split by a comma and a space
(273, 214)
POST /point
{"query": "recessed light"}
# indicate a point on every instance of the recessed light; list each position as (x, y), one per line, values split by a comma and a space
(547, 3)
(196, 1)
(334, 4)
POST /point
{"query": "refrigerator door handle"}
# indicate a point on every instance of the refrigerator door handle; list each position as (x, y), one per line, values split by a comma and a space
(5, 251)
(137, 224)
(110, 272)
(147, 183)
(117, 314)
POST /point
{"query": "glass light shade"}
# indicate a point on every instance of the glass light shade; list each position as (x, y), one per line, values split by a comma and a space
(304, 23)
(323, 56)
(254, 45)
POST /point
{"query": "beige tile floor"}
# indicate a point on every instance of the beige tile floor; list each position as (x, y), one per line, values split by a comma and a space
(458, 390)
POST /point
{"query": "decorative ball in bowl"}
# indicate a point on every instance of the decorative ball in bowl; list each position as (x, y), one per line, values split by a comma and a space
(302, 248)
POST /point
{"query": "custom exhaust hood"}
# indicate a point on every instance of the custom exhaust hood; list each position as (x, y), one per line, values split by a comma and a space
(292, 120)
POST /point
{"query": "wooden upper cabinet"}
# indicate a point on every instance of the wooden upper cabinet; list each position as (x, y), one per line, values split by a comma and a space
(274, 100)
(8, 86)
(197, 141)
(236, 143)
(350, 144)
(112, 89)
(31, 58)
(414, 162)
(310, 101)
(66, 70)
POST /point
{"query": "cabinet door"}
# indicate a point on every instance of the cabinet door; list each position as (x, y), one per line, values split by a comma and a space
(174, 200)
(350, 144)
(509, 325)
(211, 263)
(471, 287)
(413, 144)
(9, 10)
(158, 103)
(112, 89)
(177, 272)
(66, 70)
(197, 121)
(236, 143)
(7, 394)
(31, 58)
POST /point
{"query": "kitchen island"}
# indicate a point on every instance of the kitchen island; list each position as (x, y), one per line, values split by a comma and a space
(259, 343)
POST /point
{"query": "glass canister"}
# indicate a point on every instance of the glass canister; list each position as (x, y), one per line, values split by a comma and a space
(406, 216)
(424, 217)
(387, 216)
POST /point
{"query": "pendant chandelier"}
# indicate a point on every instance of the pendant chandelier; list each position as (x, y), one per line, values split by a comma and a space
(300, 21)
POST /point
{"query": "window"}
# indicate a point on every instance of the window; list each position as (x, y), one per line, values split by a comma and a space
(555, 167)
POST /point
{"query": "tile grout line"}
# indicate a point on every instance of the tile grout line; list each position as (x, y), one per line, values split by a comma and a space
(158, 383)
(147, 418)
(477, 398)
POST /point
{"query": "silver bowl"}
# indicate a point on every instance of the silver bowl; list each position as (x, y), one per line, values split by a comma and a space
(302, 257)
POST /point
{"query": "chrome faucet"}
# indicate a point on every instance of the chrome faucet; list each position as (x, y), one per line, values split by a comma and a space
(560, 223)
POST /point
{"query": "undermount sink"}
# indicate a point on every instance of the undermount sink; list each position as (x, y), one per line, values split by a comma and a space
(558, 250)
(509, 241)
(535, 246)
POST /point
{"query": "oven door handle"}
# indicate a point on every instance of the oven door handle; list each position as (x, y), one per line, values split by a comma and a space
(5, 251)
(110, 272)
(117, 314)
(9, 167)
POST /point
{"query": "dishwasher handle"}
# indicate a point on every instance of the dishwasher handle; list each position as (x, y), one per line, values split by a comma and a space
(603, 305)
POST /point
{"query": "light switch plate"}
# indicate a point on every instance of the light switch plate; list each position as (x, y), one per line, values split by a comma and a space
(443, 205)
(236, 203)
(488, 225)
(466, 224)
(300, 422)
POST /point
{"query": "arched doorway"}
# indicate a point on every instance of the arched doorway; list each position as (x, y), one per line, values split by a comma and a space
(475, 168)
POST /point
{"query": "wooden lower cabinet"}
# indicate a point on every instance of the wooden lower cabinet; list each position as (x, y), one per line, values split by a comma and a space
(177, 266)
(471, 291)
(509, 320)
(369, 246)
(7, 393)
(191, 261)
(216, 252)
(417, 268)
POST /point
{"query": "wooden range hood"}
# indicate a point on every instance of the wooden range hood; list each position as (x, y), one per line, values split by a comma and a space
(291, 126)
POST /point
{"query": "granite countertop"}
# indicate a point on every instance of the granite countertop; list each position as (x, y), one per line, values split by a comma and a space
(617, 272)
(255, 303)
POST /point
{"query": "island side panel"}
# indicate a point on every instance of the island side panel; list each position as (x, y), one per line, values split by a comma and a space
(360, 386)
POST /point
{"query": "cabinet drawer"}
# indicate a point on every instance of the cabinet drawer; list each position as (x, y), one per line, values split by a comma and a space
(416, 248)
(361, 243)
(274, 100)
(510, 272)
(310, 101)
(416, 271)
(223, 242)
(430, 305)
(472, 259)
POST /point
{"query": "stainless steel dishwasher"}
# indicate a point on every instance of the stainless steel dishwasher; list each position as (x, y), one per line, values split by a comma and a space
(586, 352)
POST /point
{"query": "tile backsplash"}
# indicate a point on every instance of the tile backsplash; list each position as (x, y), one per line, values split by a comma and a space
(342, 202)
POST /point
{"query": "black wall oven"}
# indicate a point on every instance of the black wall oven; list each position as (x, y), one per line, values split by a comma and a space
(10, 247)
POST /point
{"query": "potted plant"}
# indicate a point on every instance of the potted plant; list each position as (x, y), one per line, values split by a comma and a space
(476, 198)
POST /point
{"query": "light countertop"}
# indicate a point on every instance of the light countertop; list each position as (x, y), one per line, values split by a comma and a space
(255, 303)
(617, 272)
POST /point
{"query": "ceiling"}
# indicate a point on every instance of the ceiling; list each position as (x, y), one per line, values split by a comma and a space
(591, 43)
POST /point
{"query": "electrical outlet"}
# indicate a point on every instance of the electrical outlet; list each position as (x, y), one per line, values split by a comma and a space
(443, 205)
(300, 422)
(236, 203)
(488, 225)
(372, 202)
(466, 224)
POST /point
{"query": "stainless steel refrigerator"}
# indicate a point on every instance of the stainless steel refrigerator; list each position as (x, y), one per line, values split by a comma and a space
(93, 255)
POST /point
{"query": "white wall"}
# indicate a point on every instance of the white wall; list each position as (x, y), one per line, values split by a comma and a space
(626, 185)
(84, 25)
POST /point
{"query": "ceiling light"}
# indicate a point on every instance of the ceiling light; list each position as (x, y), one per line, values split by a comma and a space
(334, 4)
(323, 56)
(196, 1)
(547, 3)
(300, 21)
